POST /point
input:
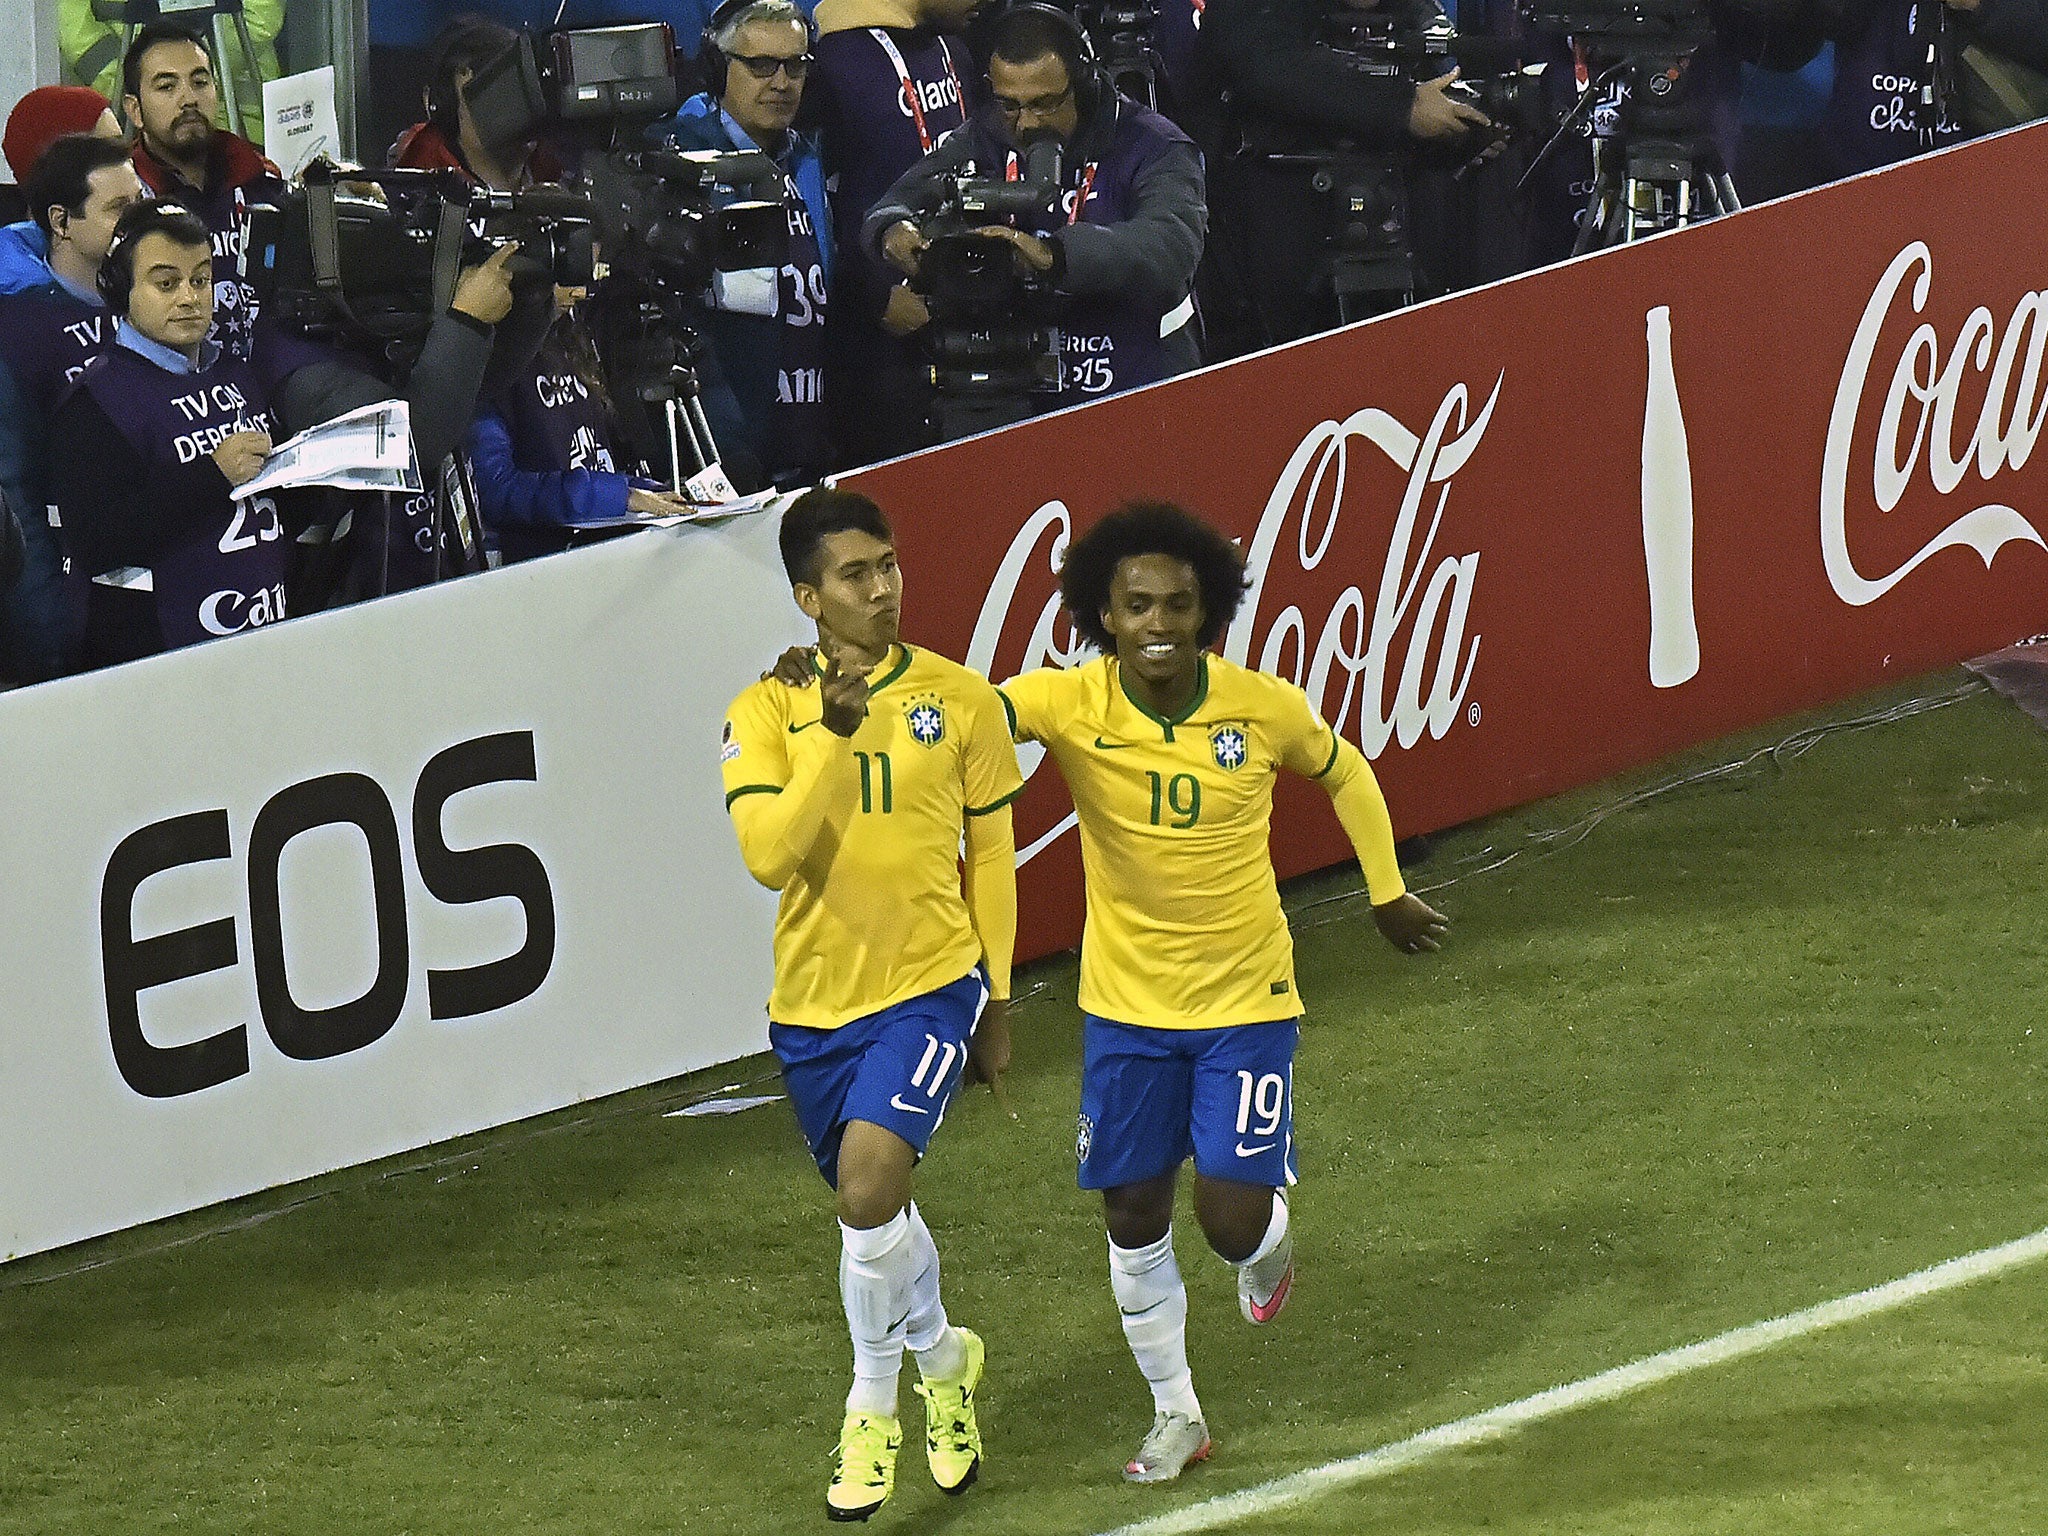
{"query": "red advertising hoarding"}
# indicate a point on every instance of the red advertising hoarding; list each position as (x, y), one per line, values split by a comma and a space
(1518, 540)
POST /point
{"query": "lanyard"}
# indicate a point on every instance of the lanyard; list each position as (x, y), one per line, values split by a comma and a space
(1012, 172)
(924, 137)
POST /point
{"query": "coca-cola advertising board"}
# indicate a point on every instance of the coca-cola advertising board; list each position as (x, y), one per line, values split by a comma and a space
(1517, 540)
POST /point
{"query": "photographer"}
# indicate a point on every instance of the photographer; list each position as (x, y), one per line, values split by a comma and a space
(764, 330)
(170, 95)
(1286, 92)
(52, 323)
(147, 447)
(1120, 256)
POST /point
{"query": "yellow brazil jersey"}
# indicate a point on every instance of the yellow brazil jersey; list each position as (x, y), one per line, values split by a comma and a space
(1184, 927)
(876, 914)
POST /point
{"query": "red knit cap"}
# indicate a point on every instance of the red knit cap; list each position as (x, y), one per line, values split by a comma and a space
(45, 114)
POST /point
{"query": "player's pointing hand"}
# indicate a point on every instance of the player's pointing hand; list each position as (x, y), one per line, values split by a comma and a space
(845, 698)
(1411, 924)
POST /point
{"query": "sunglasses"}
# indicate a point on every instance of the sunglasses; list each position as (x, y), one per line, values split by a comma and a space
(762, 66)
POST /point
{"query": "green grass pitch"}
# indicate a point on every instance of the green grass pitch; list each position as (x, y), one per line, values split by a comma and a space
(1743, 1047)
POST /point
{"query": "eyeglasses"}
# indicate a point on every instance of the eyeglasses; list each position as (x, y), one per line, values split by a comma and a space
(762, 66)
(1037, 106)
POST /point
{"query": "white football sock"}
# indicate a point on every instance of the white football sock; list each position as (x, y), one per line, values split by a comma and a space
(1276, 1232)
(1154, 1304)
(876, 1267)
(941, 1352)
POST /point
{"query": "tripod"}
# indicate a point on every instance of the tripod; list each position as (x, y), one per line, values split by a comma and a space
(1662, 170)
(135, 14)
(1368, 261)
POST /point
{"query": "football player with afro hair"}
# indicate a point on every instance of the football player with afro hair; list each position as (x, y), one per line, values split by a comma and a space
(1187, 966)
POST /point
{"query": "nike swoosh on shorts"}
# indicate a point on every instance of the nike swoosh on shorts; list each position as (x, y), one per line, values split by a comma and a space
(1245, 1151)
(896, 1102)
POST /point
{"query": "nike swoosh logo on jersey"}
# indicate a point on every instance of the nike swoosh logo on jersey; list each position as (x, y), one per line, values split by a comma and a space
(806, 725)
(1113, 746)
(896, 1102)
(1264, 1146)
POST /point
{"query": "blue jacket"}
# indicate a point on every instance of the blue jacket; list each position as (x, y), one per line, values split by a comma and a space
(762, 431)
(24, 258)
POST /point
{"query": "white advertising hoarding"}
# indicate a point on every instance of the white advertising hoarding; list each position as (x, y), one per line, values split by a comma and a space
(376, 878)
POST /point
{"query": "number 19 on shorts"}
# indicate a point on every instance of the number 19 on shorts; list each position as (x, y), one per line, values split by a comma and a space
(1261, 1103)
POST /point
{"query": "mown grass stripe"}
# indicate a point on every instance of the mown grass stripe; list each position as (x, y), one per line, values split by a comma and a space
(1606, 1387)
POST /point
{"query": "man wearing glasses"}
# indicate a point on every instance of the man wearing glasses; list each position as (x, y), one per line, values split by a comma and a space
(763, 373)
(1122, 248)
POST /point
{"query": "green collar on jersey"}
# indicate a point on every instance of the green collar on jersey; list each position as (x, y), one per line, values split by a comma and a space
(1193, 704)
(902, 666)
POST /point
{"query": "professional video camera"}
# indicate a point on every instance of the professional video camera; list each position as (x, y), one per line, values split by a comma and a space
(993, 340)
(1659, 167)
(1123, 32)
(369, 257)
(1368, 263)
(375, 264)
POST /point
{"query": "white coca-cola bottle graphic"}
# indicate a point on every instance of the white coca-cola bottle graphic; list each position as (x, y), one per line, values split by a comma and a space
(1667, 517)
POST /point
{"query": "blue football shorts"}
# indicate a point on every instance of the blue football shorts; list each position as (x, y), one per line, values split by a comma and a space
(1152, 1098)
(897, 1068)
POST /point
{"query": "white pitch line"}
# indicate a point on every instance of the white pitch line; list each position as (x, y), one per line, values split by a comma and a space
(1494, 1423)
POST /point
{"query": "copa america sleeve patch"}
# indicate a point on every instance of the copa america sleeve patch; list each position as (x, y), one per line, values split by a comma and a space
(728, 749)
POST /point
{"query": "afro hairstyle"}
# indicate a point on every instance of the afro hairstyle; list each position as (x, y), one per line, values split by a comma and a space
(1150, 528)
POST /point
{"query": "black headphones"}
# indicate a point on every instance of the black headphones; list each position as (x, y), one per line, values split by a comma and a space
(1093, 87)
(711, 58)
(115, 279)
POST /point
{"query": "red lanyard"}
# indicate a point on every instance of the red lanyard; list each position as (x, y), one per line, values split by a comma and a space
(1011, 172)
(924, 137)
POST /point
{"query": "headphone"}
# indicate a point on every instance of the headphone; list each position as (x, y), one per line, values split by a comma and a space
(1093, 87)
(711, 58)
(115, 279)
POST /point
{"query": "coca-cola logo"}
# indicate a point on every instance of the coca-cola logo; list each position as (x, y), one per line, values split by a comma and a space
(1393, 666)
(1917, 422)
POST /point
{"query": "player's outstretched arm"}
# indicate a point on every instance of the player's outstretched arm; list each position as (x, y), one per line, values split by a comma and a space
(991, 892)
(1406, 921)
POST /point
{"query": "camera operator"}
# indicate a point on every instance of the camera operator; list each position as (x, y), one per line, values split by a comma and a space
(448, 139)
(51, 326)
(545, 450)
(1121, 254)
(892, 79)
(763, 369)
(148, 445)
(170, 95)
(1289, 93)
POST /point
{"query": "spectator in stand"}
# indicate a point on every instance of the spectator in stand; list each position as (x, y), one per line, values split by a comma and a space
(45, 114)
(763, 372)
(146, 450)
(544, 451)
(52, 323)
(893, 78)
(169, 93)
(89, 39)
